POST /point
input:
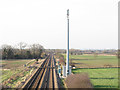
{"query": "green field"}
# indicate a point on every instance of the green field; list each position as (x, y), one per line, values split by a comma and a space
(89, 61)
(97, 68)
(101, 78)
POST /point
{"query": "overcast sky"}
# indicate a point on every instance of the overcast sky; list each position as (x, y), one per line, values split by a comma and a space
(93, 23)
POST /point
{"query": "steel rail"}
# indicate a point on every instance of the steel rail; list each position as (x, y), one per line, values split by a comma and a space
(45, 77)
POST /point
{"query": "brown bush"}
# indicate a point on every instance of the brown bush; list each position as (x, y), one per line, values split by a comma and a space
(78, 81)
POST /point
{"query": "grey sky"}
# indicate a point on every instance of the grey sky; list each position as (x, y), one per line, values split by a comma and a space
(93, 23)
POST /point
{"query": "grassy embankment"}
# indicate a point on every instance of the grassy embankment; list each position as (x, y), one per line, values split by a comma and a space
(13, 71)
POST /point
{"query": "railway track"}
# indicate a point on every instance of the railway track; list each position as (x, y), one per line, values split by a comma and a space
(45, 77)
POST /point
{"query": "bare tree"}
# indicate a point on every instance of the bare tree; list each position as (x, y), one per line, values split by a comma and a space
(7, 52)
(21, 46)
(37, 50)
(21, 52)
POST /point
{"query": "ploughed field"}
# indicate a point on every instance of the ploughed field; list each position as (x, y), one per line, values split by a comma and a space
(14, 72)
(102, 69)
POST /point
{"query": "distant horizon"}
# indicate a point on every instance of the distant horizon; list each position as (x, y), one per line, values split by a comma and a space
(93, 23)
(65, 48)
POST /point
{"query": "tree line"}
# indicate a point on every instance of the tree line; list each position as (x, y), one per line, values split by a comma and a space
(22, 51)
(80, 52)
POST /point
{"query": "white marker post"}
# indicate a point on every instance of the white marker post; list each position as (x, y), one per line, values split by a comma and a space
(67, 56)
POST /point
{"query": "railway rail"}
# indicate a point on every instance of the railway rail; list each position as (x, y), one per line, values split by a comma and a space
(45, 77)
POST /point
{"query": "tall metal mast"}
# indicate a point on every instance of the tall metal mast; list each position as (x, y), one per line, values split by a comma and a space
(67, 58)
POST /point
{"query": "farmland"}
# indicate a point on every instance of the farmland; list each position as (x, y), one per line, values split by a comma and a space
(101, 78)
(90, 61)
(102, 70)
(15, 71)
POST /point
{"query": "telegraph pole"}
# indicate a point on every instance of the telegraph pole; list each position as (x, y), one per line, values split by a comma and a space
(67, 58)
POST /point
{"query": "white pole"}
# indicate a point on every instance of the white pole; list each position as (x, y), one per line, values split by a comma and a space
(67, 56)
